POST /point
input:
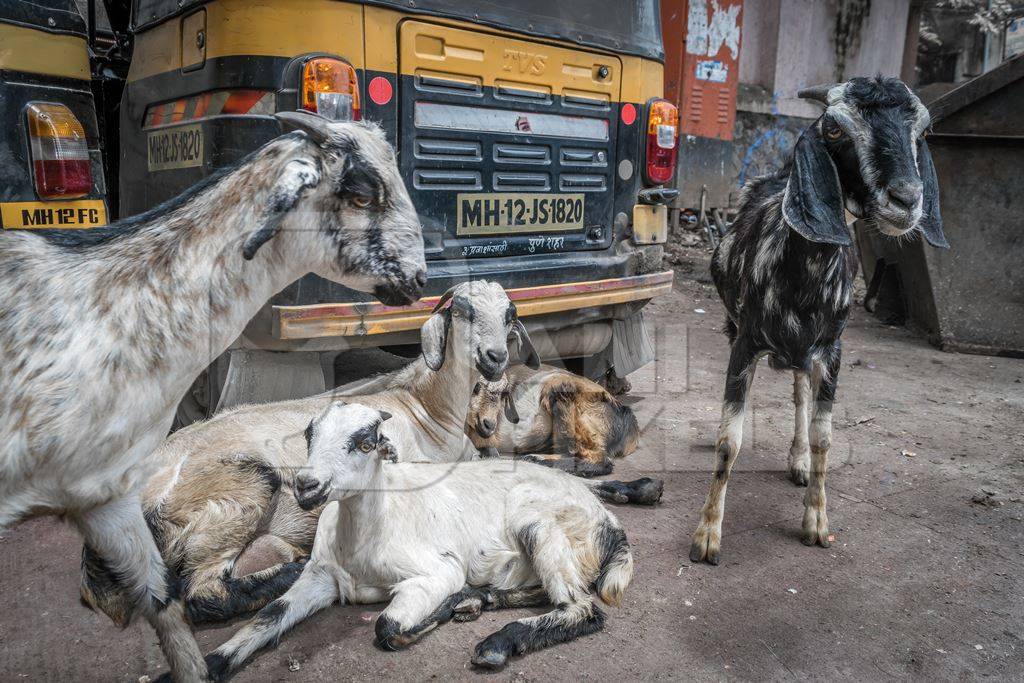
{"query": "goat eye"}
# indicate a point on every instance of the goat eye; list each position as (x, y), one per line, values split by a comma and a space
(834, 132)
(366, 446)
(361, 202)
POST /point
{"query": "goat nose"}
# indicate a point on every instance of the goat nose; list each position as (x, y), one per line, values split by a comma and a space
(488, 425)
(305, 483)
(905, 194)
(420, 278)
(497, 356)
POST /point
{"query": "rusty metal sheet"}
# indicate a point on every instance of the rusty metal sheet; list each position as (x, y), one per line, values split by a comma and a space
(702, 53)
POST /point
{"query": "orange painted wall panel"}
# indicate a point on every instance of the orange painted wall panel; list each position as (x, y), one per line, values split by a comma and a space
(702, 63)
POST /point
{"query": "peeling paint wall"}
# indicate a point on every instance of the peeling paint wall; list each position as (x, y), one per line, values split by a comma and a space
(711, 27)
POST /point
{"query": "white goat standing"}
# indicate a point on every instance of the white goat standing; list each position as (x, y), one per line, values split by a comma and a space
(103, 331)
(441, 540)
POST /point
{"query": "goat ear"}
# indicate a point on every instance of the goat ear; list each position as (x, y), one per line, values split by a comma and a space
(434, 338)
(511, 414)
(931, 218)
(297, 176)
(315, 126)
(813, 203)
(527, 353)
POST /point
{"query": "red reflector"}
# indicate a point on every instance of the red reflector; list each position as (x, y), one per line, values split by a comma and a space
(628, 114)
(70, 178)
(380, 90)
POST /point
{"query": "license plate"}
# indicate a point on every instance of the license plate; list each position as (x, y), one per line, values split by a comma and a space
(179, 147)
(500, 213)
(71, 215)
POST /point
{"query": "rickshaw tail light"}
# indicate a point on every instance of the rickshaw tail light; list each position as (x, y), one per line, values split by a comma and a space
(662, 141)
(330, 88)
(59, 150)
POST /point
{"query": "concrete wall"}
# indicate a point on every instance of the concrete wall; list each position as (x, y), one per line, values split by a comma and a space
(759, 42)
(789, 44)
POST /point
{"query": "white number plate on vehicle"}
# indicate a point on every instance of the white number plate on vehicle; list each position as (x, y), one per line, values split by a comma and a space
(503, 212)
(178, 147)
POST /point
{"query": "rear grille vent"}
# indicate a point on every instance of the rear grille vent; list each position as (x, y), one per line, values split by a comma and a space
(579, 156)
(437, 179)
(508, 153)
(584, 101)
(448, 150)
(577, 182)
(431, 83)
(511, 92)
(527, 182)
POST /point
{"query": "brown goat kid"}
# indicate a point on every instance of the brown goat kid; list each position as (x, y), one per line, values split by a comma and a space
(556, 418)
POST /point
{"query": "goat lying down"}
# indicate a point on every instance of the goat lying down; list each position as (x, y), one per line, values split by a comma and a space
(558, 419)
(785, 271)
(225, 482)
(102, 331)
(442, 542)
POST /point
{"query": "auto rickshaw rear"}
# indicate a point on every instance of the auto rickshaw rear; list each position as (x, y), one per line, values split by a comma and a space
(50, 156)
(531, 135)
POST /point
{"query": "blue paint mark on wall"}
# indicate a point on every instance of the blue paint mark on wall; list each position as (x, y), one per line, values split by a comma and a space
(773, 141)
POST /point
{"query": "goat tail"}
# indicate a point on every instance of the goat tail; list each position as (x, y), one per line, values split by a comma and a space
(616, 569)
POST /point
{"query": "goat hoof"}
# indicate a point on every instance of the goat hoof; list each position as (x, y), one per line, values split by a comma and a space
(705, 548)
(489, 659)
(814, 539)
(389, 634)
(798, 475)
(397, 642)
(815, 528)
(468, 610)
(646, 491)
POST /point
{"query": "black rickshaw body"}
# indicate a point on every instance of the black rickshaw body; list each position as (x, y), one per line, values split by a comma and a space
(44, 65)
(520, 129)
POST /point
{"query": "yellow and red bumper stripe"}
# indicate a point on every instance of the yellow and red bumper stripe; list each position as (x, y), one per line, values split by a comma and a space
(205, 105)
(358, 319)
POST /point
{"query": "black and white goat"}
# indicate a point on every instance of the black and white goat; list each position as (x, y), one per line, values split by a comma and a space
(785, 271)
(443, 541)
(225, 482)
(103, 331)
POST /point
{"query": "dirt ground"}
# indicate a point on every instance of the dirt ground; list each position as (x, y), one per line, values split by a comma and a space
(924, 579)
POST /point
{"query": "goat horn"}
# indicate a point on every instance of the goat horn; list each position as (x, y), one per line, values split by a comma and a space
(445, 298)
(315, 126)
(818, 93)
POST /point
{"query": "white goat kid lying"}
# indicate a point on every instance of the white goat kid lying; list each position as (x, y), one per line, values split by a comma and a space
(226, 482)
(102, 331)
(441, 540)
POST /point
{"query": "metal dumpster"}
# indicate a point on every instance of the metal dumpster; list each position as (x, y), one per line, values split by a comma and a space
(970, 297)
